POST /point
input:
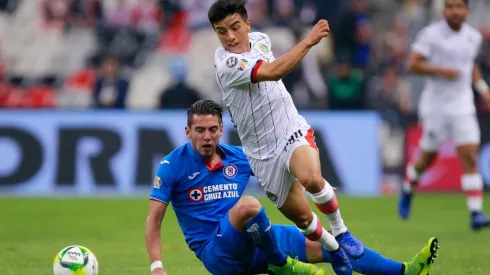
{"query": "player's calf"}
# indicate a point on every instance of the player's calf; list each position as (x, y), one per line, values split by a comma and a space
(412, 175)
(327, 203)
(472, 185)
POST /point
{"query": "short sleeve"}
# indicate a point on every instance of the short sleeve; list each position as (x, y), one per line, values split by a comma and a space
(235, 70)
(163, 183)
(423, 43)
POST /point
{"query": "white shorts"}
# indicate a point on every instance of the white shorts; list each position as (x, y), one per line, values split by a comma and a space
(463, 129)
(273, 173)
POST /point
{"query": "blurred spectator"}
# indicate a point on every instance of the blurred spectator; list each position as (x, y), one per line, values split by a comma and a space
(353, 35)
(346, 88)
(179, 95)
(86, 13)
(305, 82)
(147, 16)
(119, 15)
(55, 13)
(389, 94)
(111, 88)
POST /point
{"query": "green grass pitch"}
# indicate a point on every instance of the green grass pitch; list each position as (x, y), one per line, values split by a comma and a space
(32, 231)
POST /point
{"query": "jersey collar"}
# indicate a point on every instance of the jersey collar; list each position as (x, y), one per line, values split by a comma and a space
(196, 156)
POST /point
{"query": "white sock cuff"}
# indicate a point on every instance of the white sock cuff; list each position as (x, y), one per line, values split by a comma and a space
(471, 182)
(311, 228)
(325, 195)
(412, 173)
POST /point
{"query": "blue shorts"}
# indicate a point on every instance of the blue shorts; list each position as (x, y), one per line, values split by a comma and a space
(233, 252)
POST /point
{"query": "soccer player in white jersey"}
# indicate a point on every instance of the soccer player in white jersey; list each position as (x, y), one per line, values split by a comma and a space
(277, 140)
(445, 52)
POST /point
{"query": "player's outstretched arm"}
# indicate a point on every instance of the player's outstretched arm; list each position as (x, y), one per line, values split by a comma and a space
(418, 64)
(480, 85)
(156, 212)
(276, 70)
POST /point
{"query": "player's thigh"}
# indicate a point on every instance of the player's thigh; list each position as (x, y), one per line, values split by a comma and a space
(303, 159)
(296, 207)
(274, 178)
(229, 251)
(465, 134)
(465, 130)
(434, 131)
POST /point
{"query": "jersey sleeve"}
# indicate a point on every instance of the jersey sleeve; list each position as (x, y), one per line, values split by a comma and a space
(237, 70)
(423, 43)
(164, 183)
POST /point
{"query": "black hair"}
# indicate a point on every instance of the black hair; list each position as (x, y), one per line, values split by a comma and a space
(204, 107)
(224, 8)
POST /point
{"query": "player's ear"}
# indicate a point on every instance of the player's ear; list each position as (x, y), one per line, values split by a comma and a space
(187, 131)
(248, 24)
(221, 130)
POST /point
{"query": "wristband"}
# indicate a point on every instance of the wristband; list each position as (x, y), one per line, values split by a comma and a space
(155, 265)
(481, 86)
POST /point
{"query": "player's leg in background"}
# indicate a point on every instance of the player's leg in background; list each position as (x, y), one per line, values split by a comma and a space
(294, 244)
(304, 164)
(466, 136)
(433, 133)
(297, 209)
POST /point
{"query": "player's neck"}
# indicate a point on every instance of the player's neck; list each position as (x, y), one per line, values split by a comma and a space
(215, 158)
(454, 28)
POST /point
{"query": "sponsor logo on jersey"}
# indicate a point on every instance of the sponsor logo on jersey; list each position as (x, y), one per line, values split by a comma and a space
(214, 192)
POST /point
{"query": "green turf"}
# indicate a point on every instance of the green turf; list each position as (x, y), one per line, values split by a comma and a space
(32, 231)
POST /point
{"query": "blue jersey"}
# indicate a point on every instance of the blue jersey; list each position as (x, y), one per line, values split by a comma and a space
(201, 195)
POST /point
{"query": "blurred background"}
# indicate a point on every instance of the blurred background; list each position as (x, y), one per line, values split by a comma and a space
(90, 88)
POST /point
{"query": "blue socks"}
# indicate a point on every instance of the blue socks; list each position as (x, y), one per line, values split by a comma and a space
(372, 263)
(259, 228)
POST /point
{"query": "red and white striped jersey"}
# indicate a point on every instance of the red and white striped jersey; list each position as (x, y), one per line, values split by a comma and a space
(264, 113)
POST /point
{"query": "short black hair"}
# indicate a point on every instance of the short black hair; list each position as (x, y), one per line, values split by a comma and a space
(224, 8)
(204, 107)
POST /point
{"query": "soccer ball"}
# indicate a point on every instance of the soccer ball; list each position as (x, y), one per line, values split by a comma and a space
(75, 259)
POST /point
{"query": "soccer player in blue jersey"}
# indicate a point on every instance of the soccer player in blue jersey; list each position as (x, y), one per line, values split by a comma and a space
(231, 234)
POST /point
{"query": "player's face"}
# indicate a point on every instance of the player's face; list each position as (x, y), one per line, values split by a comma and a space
(233, 33)
(204, 133)
(455, 12)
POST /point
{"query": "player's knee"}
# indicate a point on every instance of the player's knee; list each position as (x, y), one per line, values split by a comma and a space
(247, 207)
(303, 220)
(313, 182)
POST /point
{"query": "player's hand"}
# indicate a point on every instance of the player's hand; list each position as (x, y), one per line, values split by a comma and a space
(449, 73)
(319, 31)
(158, 271)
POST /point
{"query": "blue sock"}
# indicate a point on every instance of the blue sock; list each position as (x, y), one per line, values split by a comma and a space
(372, 263)
(260, 230)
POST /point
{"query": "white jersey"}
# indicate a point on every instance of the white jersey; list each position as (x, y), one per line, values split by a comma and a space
(264, 113)
(443, 47)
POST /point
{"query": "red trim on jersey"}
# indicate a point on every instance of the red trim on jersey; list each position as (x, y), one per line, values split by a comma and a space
(212, 168)
(311, 138)
(255, 69)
